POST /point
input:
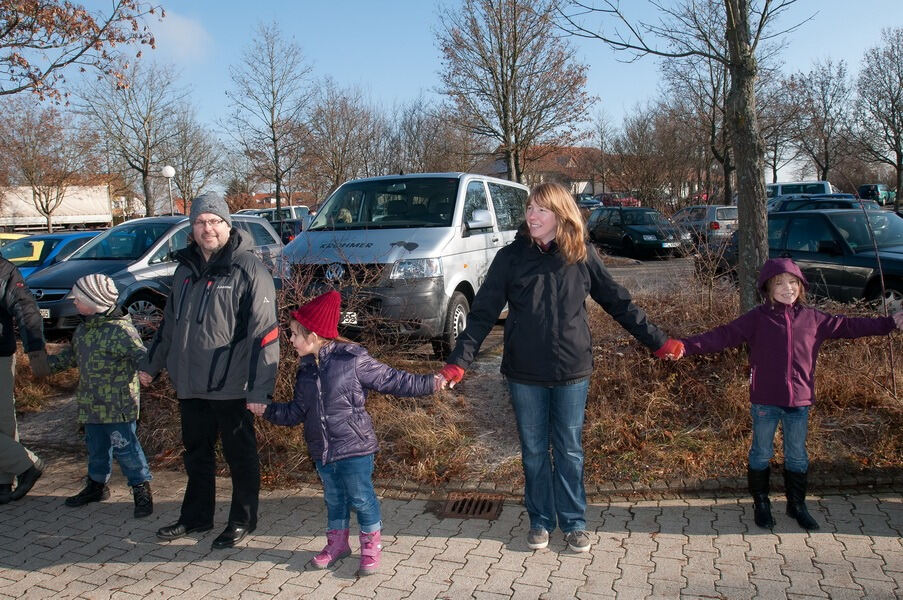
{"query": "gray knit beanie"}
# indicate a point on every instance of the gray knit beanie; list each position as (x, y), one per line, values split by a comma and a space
(99, 290)
(210, 203)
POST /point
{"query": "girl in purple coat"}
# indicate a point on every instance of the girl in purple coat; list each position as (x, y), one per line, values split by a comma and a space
(783, 336)
(333, 377)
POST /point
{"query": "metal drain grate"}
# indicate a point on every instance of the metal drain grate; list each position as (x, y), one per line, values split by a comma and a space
(471, 506)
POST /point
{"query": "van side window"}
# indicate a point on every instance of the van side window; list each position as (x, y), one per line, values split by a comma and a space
(509, 203)
(475, 199)
(177, 241)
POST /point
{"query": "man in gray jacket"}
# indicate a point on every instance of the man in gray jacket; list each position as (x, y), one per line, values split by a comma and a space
(220, 344)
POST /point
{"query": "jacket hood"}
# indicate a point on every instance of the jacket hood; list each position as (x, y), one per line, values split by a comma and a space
(776, 266)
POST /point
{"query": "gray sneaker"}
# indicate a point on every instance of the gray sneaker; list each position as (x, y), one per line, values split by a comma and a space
(578, 541)
(537, 539)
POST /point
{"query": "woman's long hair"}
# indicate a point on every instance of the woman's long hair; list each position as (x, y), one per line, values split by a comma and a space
(571, 233)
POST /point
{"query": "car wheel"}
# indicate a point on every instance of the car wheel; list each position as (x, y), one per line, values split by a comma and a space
(146, 311)
(892, 297)
(455, 322)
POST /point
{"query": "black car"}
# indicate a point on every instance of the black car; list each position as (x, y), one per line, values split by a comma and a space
(822, 202)
(636, 231)
(836, 252)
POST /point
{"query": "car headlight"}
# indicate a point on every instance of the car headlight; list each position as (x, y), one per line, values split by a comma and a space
(416, 268)
(648, 237)
(685, 236)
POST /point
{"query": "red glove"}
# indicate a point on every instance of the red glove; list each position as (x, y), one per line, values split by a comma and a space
(452, 373)
(672, 349)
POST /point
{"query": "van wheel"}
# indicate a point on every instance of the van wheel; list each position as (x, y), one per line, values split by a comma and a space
(146, 310)
(455, 322)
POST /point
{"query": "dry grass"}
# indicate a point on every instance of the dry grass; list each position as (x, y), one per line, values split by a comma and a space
(31, 393)
(646, 419)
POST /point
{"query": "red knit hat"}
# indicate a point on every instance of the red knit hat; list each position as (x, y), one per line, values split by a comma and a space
(321, 315)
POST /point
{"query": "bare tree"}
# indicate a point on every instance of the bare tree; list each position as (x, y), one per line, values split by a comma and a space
(777, 113)
(430, 140)
(46, 151)
(823, 99)
(195, 154)
(40, 39)
(680, 34)
(136, 120)
(511, 76)
(269, 98)
(241, 180)
(879, 124)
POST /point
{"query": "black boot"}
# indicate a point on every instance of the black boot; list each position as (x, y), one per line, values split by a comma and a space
(758, 488)
(93, 492)
(6, 492)
(144, 501)
(796, 485)
(25, 481)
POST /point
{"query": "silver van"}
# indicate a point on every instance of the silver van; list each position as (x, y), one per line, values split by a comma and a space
(408, 252)
(785, 188)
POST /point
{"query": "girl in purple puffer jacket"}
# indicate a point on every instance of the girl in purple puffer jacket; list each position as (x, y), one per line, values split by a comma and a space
(330, 390)
(783, 336)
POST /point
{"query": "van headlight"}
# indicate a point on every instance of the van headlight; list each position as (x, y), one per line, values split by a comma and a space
(416, 268)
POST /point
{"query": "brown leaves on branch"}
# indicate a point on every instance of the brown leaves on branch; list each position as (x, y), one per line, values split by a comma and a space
(39, 39)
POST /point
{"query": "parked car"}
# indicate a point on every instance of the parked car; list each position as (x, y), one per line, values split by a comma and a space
(139, 256)
(638, 231)
(37, 252)
(836, 252)
(408, 252)
(618, 199)
(786, 188)
(878, 192)
(709, 225)
(821, 202)
(288, 229)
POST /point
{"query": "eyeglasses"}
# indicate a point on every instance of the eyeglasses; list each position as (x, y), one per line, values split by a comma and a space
(202, 223)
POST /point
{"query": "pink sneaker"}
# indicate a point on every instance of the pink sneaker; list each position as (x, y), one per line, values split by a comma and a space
(336, 549)
(371, 549)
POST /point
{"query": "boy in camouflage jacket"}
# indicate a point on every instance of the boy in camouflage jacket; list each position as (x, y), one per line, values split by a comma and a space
(107, 348)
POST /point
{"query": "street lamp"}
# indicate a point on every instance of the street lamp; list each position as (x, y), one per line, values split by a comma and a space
(169, 173)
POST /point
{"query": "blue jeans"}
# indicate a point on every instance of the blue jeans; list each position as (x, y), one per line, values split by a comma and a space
(795, 426)
(553, 491)
(347, 484)
(108, 440)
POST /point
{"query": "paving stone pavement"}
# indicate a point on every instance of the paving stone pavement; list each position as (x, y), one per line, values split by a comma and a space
(691, 547)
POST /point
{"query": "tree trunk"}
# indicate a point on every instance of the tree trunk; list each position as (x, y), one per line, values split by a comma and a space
(148, 195)
(749, 151)
(509, 159)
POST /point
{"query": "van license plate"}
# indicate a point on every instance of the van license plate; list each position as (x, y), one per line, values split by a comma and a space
(45, 313)
(348, 318)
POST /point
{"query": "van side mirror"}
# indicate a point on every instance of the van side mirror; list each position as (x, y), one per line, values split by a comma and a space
(481, 219)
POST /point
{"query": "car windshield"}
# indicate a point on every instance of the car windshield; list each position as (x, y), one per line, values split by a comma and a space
(27, 252)
(123, 242)
(389, 204)
(644, 217)
(726, 214)
(887, 229)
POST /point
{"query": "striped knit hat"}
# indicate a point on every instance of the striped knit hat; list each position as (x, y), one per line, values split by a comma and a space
(99, 290)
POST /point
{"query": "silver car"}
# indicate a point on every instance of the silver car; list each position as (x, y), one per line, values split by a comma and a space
(140, 257)
(708, 224)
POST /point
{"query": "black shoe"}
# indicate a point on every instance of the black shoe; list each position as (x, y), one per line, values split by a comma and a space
(178, 530)
(144, 500)
(92, 492)
(231, 535)
(6, 490)
(25, 481)
(759, 488)
(797, 486)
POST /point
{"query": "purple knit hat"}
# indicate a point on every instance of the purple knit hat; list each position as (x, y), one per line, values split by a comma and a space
(776, 266)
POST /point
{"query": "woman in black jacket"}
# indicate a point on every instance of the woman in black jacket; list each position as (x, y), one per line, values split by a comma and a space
(544, 276)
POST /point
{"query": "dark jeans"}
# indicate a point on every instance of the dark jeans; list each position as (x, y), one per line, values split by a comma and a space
(202, 422)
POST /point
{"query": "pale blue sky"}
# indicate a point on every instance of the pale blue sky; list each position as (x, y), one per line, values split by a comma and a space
(388, 47)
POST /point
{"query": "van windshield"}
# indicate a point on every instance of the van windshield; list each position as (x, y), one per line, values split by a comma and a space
(399, 202)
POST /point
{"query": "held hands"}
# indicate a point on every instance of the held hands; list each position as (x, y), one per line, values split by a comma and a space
(40, 368)
(257, 408)
(671, 350)
(898, 319)
(450, 375)
(145, 378)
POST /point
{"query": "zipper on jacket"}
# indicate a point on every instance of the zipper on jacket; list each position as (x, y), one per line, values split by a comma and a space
(202, 308)
(788, 321)
(182, 295)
